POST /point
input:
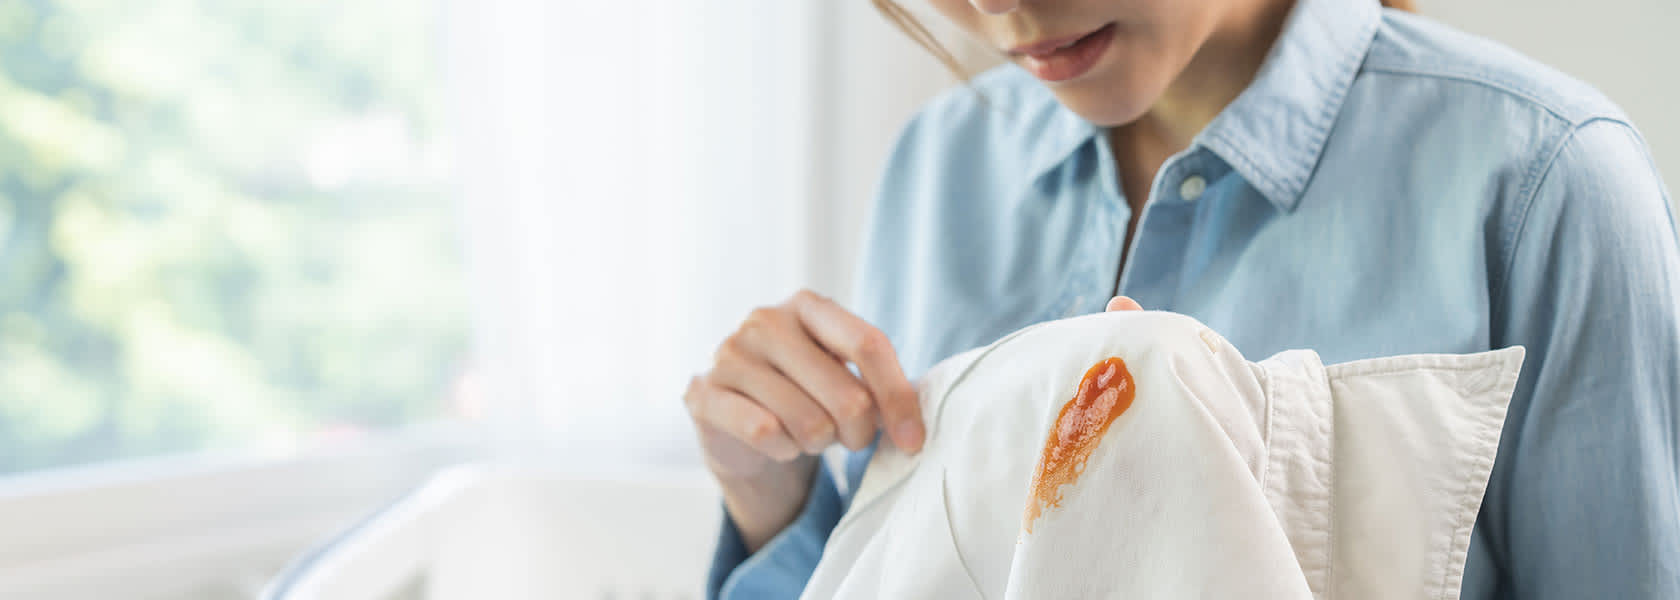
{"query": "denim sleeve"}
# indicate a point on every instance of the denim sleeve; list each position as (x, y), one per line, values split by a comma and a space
(1584, 501)
(781, 568)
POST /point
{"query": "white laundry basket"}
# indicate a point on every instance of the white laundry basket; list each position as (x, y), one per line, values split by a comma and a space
(484, 532)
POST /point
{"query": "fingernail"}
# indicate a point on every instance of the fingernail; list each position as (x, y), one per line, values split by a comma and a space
(909, 435)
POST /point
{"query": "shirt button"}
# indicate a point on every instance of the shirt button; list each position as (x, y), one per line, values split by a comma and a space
(1192, 188)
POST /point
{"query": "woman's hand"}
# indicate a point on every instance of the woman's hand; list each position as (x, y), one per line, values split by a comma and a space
(779, 392)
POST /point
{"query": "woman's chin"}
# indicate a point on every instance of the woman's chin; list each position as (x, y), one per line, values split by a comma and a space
(1102, 109)
(1105, 103)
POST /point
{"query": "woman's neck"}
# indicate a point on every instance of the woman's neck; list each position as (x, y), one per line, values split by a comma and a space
(1216, 75)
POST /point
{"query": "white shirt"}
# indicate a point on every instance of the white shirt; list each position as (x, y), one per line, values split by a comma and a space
(1223, 478)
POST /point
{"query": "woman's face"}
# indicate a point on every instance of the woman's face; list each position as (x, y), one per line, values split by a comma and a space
(1107, 60)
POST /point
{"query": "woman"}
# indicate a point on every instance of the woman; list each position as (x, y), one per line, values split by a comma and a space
(1319, 174)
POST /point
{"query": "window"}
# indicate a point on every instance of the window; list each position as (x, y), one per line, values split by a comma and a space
(222, 224)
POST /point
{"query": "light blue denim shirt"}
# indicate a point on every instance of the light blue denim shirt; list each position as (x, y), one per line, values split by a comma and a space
(1385, 186)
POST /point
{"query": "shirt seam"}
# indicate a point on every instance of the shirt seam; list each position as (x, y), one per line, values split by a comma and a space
(1358, 368)
(1551, 107)
(1268, 391)
(1321, 375)
(1530, 193)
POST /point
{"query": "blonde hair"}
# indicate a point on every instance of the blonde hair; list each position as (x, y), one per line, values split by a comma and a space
(918, 33)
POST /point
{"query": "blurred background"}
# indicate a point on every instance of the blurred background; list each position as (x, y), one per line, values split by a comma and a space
(265, 266)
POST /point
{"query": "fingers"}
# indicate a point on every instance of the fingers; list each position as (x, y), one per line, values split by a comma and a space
(1123, 303)
(803, 419)
(849, 405)
(856, 341)
(732, 413)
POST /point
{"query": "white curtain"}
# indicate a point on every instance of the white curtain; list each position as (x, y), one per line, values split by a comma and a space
(637, 175)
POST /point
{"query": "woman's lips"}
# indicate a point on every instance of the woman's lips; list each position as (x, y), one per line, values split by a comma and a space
(1060, 61)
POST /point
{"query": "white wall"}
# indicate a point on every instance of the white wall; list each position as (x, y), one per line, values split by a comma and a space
(1628, 48)
(876, 78)
(627, 203)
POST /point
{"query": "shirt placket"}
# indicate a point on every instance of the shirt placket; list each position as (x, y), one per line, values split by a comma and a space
(1155, 261)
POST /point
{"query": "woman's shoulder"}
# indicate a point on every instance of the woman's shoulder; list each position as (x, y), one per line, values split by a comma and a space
(1415, 50)
(1553, 146)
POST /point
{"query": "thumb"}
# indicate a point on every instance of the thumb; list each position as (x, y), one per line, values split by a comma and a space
(1123, 303)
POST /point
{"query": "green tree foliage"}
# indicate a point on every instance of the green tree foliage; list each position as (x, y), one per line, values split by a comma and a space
(222, 223)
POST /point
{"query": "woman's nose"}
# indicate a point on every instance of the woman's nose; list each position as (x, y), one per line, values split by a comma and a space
(995, 7)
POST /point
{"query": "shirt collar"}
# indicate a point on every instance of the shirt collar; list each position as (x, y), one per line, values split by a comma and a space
(1060, 133)
(1273, 133)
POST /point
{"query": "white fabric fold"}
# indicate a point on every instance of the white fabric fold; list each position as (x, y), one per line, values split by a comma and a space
(1224, 478)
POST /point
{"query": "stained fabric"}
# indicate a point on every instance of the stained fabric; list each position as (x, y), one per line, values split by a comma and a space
(1220, 478)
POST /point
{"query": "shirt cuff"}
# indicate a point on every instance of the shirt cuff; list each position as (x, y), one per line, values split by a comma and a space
(781, 568)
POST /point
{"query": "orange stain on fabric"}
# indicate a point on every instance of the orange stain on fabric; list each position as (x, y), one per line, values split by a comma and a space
(1104, 394)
